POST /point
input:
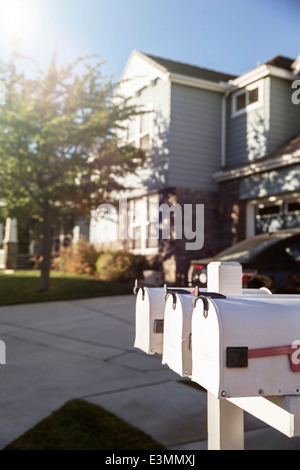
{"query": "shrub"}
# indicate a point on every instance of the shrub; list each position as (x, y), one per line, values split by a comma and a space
(120, 266)
(79, 258)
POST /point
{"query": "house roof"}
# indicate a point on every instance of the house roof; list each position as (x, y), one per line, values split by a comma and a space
(290, 147)
(181, 70)
(296, 64)
(281, 61)
(190, 70)
(287, 148)
(288, 153)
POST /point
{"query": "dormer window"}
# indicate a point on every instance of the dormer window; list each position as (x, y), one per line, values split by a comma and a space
(240, 101)
(246, 99)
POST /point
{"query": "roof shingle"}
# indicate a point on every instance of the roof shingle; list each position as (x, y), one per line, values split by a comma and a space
(281, 61)
(191, 70)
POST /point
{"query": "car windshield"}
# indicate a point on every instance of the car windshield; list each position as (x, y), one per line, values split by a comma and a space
(247, 249)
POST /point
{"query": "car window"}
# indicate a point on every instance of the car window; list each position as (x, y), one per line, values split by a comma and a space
(247, 249)
(294, 251)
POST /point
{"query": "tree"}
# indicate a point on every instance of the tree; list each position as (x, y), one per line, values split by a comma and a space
(59, 148)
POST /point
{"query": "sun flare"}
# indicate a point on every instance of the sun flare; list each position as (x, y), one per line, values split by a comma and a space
(18, 19)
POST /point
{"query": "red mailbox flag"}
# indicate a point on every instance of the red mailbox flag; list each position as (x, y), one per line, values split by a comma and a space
(292, 350)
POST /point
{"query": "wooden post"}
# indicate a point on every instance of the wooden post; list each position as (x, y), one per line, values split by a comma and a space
(225, 421)
(225, 278)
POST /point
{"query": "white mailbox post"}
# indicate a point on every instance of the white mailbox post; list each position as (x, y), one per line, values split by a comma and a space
(241, 345)
(281, 409)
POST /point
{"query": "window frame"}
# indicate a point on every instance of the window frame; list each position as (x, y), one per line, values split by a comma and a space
(138, 219)
(248, 106)
(139, 134)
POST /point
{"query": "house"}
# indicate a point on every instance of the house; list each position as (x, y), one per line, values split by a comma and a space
(182, 133)
(230, 143)
(225, 144)
(259, 180)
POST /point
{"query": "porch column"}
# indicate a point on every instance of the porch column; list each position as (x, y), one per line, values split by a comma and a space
(10, 243)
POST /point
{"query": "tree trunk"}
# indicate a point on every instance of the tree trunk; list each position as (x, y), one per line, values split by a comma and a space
(47, 245)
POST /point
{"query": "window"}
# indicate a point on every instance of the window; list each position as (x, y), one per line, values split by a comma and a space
(269, 217)
(153, 222)
(293, 206)
(131, 130)
(253, 95)
(143, 223)
(240, 101)
(268, 210)
(246, 99)
(137, 221)
(139, 130)
(282, 213)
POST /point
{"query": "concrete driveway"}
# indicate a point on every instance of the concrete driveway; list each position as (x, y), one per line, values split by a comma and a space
(84, 349)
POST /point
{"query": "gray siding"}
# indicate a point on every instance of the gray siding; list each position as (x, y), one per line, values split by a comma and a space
(256, 133)
(236, 137)
(277, 181)
(157, 97)
(284, 115)
(195, 137)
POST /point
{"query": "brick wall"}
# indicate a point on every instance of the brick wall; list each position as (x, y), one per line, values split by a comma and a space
(224, 225)
(232, 214)
(174, 256)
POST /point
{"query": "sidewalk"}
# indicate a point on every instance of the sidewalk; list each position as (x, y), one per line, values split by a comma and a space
(84, 349)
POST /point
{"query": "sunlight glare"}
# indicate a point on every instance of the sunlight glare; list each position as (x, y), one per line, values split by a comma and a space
(18, 19)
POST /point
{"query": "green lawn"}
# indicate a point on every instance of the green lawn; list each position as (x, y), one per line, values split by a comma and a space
(79, 425)
(22, 287)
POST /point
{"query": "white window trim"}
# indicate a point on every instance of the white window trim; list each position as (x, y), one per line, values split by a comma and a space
(252, 206)
(136, 139)
(142, 222)
(248, 107)
(144, 251)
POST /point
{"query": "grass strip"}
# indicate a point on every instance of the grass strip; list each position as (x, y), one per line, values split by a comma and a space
(22, 287)
(80, 425)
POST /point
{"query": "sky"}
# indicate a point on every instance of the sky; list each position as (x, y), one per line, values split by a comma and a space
(231, 36)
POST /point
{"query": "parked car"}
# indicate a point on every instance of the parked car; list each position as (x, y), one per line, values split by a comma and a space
(269, 260)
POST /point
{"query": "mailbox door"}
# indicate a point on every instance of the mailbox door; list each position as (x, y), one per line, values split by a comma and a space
(206, 347)
(149, 314)
(149, 318)
(177, 334)
(242, 346)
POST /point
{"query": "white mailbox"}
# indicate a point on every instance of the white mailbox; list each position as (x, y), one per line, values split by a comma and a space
(149, 318)
(177, 341)
(245, 346)
(177, 352)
